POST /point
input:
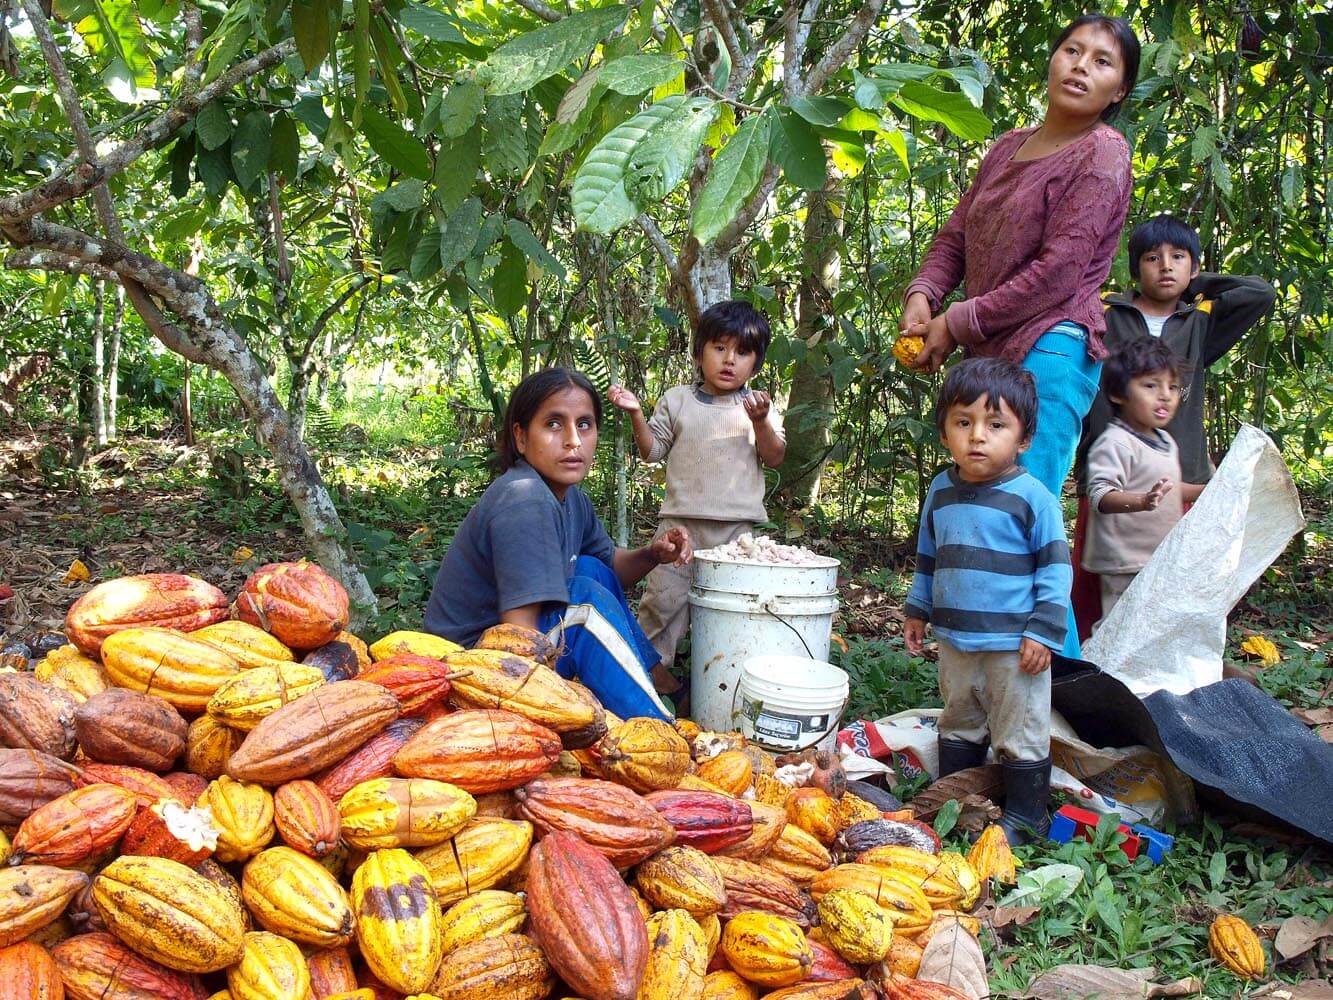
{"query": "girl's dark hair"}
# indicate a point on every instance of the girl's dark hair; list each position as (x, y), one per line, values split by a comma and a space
(527, 399)
(997, 380)
(1125, 38)
(733, 318)
(1141, 356)
(1158, 230)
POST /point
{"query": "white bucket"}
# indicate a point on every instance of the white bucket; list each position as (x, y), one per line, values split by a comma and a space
(791, 702)
(740, 610)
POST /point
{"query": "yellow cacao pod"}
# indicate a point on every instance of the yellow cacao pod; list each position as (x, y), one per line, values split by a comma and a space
(249, 645)
(966, 877)
(490, 678)
(728, 986)
(1233, 943)
(243, 814)
(481, 855)
(854, 809)
(271, 968)
(855, 926)
(32, 897)
(209, 745)
(507, 967)
(70, 670)
(178, 668)
(644, 754)
(772, 791)
(688, 728)
(682, 878)
(398, 919)
(247, 699)
(903, 901)
(815, 812)
(991, 857)
(403, 812)
(797, 855)
(489, 913)
(711, 925)
(295, 896)
(677, 958)
(766, 949)
(931, 872)
(906, 348)
(418, 643)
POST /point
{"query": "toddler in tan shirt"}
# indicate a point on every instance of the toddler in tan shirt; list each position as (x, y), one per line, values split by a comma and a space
(715, 436)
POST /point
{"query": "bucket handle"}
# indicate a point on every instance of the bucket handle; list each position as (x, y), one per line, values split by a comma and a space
(736, 689)
(766, 605)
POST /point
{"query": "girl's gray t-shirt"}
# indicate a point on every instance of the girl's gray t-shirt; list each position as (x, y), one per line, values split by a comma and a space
(517, 546)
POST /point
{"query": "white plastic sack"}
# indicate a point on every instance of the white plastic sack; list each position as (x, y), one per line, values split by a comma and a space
(1170, 627)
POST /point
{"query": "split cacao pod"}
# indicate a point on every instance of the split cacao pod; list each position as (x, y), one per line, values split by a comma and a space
(146, 786)
(32, 896)
(417, 643)
(296, 601)
(750, 886)
(316, 730)
(397, 919)
(608, 817)
(252, 695)
(125, 727)
(27, 972)
(98, 967)
(480, 856)
(418, 682)
(797, 855)
(855, 926)
(170, 914)
(709, 821)
(522, 640)
(731, 770)
(209, 744)
(373, 760)
(505, 967)
(585, 918)
(70, 670)
(644, 754)
(166, 600)
(243, 814)
(249, 646)
(815, 812)
(403, 812)
(677, 958)
(74, 828)
(766, 949)
(167, 829)
(492, 679)
(726, 985)
(270, 968)
(480, 751)
(306, 818)
(767, 824)
(489, 913)
(29, 779)
(177, 668)
(684, 878)
(1233, 943)
(36, 716)
(903, 901)
(295, 896)
(860, 837)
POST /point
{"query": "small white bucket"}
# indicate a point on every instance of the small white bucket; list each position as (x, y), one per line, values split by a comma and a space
(791, 703)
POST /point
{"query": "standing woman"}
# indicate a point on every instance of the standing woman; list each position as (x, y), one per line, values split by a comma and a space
(1032, 240)
(533, 552)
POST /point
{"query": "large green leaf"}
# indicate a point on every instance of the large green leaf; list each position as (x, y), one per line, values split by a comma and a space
(795, 147)
(601, 203)
(505, 145)
(400, 148)
(426, 256)
(509, 281)
(661, 161)
(576, 98)
(634, 74)
(950, 108)
(212, 125)
(520, 62)
(526, 240)
(227, 41)
(434, 24)
(313, 31)
(825, 111)
(285, 156)
(735, 174)
(250, 147)
(459, 234)
(459, 109)
(360, 56)
(111, 30)
(456, 166)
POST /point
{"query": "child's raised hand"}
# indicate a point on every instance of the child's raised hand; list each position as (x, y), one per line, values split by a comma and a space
(1033, 657)
(1153, 498)
(757, 405)
(673, 547)
(624, 399)
(914, 635)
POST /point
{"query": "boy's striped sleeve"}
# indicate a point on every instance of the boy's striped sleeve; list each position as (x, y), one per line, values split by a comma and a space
(1052, 576)
(919, 600)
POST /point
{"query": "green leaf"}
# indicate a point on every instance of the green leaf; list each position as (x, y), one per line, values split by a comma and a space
(1217, 870)
(426, 256)
(181, 156)
(390, 140)
(388, 57)
(947, 818)
(403, 196)
(532, 57)
(526, 240)
(794, 146)
(561, 136)
(1045, 886)
(310, 110)
(313, 33)
(360, 56)
(459, 109)
(576, 98)
(230, 36)
(456, 166)
(632, 75)
(601, 203)
(285, 155)
(1204, 144)
(214, 166)
(250, 147)
(1293, 183)
(825, 111)
(849, 155)
(212, 125)
(722, 129)
(735, 174)
(434, 24)
(676, 85)
(505, 146)
(898, 143)
(459, 234)
(952, 110)
(1221, 174)
(660, 162)
(509, 282)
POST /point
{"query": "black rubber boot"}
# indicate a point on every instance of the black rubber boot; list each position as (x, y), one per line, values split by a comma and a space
(959, 755)
(1027, 794)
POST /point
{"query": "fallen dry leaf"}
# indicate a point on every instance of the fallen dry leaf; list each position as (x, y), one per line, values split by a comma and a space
(1262, 648)
(953, 957)
(1011, 916)
(77, 573)
(1314, 716)
(1095, 982)
(978, 812)
(1297, 935)
(986, 780)
(1311, 989)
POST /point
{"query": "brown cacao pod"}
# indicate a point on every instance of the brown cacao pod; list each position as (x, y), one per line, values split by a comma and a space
(187, 785)
(507, 967)
(125, 727)
(316, 730)
(374, 759)
(32, 896)
(609, 817)
(1233, 943)
(209, 744)
(243, 813)
(178, 668)
(418, 682)
(492, 679)
(166, 600)
(249, 646)
(74, 828)
(645, 755)
(766, 949)
(403, 812)
(168, 829)
(29, 779)
(306, 818)
(27, 972)
(36, 716)
(98, 967)
(358, 646)
(297, 602)
(521, 640)
(293, 895)
(336, 660)
(767, 824)
(709, 821)
(479, 750)
(585, 919)
(481, 855)
(146, 786)
(680, 877)
(398, 919)
(730, 770)
(752, 887)
(331, 972)
(866, 834)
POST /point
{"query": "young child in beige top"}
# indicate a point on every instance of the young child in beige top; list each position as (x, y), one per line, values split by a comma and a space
(715, 435)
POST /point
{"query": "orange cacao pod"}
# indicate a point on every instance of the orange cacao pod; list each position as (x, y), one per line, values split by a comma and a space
(374, 759)
(895, 988)
(609, 817)
(418, 682)
(74, 828)
(850, 988)
(29, 779)
(731, 770)
(306, 818)
(125, 727)
(27, 972)
(331, 972)
(166, 600)
(36, 716)
(585, 918)
(297, 602)
(797, 855)
(708, 821)
(1233, 943)
(98, 967)
(146, 786)
(815, 812)
(479, 750)
(187, 785)
(521, 640)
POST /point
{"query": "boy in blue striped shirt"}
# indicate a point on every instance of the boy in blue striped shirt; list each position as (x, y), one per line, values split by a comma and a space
(992, 577)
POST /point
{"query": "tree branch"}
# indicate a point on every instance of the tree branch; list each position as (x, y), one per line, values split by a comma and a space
(331, 310)
(49, 260)
(796, 36)
(841, 50)
(549, 14)
(722, 22)
(735, 229)
(658, 240)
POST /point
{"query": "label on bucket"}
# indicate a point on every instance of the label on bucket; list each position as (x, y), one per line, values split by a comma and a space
(782, 726)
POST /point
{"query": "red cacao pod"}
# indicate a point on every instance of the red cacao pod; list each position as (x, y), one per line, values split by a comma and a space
(146, 786)
(418, 682)
(373, 760)
(97, 966)
(479, 750)
(306, 818)
(609, 817)
(75, 827)
(708, 821)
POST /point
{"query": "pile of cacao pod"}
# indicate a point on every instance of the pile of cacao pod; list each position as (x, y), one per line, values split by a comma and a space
(241, 800)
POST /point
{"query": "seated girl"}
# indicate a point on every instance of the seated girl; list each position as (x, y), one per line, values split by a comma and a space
(533, 552)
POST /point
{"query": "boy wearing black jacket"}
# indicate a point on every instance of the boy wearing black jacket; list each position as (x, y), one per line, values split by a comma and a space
(1199, 316)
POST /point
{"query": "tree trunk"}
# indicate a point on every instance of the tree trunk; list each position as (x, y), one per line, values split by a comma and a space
(99, 364)
(713, 271)
(298, 396)
(810, 405)
(113, 363)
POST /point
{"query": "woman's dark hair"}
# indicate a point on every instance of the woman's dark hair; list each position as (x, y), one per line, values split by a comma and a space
(733, 318)
(997, 380)
(1128, 42)
(1141, 356)
(527, 399)
(1158, 230)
